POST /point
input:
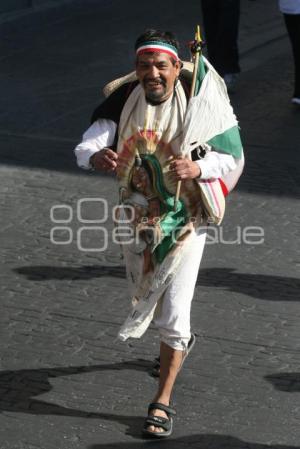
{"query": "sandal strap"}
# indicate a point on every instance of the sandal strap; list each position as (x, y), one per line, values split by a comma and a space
(159, 406)
(158, 421)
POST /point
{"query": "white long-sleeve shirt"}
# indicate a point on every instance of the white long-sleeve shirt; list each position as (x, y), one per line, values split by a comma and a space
(102, 132)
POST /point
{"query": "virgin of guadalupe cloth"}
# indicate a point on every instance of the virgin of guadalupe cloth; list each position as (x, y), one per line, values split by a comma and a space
(150, 137)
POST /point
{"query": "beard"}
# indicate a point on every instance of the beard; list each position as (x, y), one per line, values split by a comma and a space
(155, 93)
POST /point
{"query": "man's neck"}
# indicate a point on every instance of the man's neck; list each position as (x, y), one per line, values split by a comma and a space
(158, 102)
(155, 102)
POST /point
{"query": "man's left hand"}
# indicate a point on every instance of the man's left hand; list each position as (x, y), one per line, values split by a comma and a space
(185, 169)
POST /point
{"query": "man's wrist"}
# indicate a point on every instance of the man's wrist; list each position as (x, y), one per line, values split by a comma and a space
(92, 161)
(198, 168)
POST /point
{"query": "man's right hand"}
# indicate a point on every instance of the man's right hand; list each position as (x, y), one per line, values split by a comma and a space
(105, 160)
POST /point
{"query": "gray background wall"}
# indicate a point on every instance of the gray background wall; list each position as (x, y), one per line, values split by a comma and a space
(16, 5)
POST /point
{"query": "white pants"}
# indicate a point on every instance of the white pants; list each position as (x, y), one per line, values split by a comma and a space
(172, 315)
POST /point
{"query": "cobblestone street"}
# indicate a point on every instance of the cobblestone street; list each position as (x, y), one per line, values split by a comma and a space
(65, 382)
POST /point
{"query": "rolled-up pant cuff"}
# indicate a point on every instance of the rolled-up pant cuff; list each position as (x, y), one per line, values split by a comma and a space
(177, 343)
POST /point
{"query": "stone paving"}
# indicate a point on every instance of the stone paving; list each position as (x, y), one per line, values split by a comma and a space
(65, 383)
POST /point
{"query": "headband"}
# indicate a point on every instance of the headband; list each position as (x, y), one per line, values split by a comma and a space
(159, 47)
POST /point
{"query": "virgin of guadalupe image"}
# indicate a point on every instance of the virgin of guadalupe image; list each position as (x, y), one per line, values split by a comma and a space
(156, 223)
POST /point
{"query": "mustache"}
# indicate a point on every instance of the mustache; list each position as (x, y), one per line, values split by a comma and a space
(155, 80)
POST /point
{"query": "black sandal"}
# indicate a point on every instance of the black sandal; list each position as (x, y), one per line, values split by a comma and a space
(158, 421)
(156, 368)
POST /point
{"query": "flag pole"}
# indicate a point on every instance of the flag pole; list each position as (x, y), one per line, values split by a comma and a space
(196, 53)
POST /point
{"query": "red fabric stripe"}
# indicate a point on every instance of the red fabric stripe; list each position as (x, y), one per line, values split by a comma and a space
(223, 187)
(157, 50)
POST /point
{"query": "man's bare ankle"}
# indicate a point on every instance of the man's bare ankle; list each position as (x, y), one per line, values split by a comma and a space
(162, 400)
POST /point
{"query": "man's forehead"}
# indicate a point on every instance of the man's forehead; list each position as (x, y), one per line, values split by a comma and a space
(154, 57)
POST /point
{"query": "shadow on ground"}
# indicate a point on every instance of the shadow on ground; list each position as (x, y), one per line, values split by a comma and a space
(43, 273)
(266, 287)
(200, 441)
(19, 388)
(288, 382)
(261, 286)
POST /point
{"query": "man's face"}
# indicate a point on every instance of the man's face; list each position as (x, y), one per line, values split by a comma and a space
(157, 74)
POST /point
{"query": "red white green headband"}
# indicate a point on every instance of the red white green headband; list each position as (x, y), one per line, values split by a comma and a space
(159, 47)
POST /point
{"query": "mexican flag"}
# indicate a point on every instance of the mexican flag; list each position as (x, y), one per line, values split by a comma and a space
(210, 120)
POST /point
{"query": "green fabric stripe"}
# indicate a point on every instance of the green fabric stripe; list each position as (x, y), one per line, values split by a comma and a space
(157, 175)
(171, 220)
(200, 75)
(170, 226)
(228, 142)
